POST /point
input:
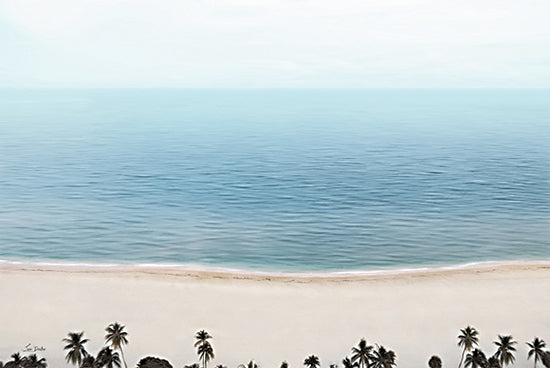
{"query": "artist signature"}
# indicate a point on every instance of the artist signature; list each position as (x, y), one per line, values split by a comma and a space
(33, 348)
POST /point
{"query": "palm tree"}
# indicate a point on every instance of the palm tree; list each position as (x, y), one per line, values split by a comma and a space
(107, 358)
(348, 363)
(202, 336)
(383, 358)
(284, 364)
(32, 361)
(546, 359)
(116, 337)
(40, 363)
(493, 362)
(250, 364)
(435, 362)
(205, 353)
(362, 354)
(505, 351)
(88, 362)
(75, 345)
(204, 349)
(476, 359)
(536, 349)
(312, 362)
(466, 340)
(16, 361)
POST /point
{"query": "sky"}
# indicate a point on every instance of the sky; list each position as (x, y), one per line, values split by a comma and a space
(275, 43)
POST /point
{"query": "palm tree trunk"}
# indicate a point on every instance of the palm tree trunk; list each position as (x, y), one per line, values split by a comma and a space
(123, 359)
(461, 358)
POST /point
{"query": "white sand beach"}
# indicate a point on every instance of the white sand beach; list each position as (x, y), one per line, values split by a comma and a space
(273, 318)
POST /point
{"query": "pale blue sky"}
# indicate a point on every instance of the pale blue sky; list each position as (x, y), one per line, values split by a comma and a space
(275, 43)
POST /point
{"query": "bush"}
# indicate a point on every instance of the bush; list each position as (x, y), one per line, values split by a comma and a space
(152, 362)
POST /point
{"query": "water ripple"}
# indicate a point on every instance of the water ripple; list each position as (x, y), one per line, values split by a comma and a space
(296, 180)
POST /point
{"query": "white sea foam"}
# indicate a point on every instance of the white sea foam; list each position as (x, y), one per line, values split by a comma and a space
(266, 273)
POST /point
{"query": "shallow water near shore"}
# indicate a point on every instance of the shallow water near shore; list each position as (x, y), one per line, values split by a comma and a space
(290, 180)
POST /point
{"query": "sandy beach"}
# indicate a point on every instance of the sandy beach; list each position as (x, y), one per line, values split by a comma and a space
(271, 318)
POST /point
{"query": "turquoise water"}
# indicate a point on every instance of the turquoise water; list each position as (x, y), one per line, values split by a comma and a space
(275, 179)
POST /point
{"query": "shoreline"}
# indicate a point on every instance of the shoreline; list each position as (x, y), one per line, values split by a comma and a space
(273, 318)
(214, 272)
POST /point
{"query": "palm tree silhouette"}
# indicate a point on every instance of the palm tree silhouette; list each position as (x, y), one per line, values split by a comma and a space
(536, 349)
(347, 363)
(75, 346)
(88, 362)
(107, 358)
(383, 358)
(505, 351)
(466, 340)
(250, 364)
(16, 361)
(202, 336)
(204, 349)
(435, 362)
(284, 364)
(546, 359)
(493, 362)
(32, 361)
(476, 359)
(205, 352)
(362, 354)
(312, 362)
(116, 338)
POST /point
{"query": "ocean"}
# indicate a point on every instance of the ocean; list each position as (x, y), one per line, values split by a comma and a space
(275, 180)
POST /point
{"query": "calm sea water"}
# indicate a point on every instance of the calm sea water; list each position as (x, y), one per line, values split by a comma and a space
(275, 179)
